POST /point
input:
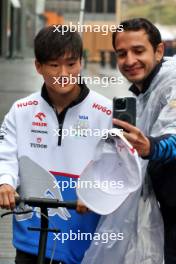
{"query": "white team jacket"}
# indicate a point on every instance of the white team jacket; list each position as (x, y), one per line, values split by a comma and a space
(31, 129)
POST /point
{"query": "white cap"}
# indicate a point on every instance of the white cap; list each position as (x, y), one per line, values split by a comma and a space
(111, 176)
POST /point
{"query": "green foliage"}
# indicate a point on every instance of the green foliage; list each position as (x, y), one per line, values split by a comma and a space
(162, 12)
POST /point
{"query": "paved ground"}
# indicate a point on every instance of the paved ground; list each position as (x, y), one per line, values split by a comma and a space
(18, 78)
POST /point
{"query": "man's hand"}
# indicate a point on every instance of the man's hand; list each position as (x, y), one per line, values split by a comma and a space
(135, 137)
(81, 208)
(7, 196)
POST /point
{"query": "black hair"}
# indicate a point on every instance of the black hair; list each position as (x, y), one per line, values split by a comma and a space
(136, 24)
(50, 44)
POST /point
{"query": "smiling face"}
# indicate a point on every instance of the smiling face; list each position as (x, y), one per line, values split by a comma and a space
(58, 74)
(136, 57)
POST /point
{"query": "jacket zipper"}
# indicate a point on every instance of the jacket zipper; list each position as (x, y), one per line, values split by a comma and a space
(60, 119)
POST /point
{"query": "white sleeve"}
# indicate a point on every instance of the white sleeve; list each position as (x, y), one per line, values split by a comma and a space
(8, 151)
(166, 121)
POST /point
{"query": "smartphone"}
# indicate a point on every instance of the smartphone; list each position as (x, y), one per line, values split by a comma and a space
(125, 110)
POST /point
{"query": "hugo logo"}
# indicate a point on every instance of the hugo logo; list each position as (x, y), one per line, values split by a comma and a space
(102, 108)
(27, 103)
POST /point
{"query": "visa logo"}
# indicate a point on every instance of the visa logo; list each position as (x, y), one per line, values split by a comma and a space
(83, 117)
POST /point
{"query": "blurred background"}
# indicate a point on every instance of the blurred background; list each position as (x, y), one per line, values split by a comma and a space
(20, 20)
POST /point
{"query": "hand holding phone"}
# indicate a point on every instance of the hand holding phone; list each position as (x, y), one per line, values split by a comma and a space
(125, 110)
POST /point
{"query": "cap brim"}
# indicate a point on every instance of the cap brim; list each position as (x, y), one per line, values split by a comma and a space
(103, 203)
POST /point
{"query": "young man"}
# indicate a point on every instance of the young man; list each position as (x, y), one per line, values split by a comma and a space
(29, 129)
(140, 50)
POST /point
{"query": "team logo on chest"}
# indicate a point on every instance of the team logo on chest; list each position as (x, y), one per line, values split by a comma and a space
(81, 127)
(38, 143)
(39, 120)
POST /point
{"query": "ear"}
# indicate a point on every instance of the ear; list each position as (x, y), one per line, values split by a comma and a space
(38, 67)
(159, 53)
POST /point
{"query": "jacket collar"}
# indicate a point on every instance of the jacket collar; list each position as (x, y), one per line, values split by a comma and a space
(83, 94)
(146, 83)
